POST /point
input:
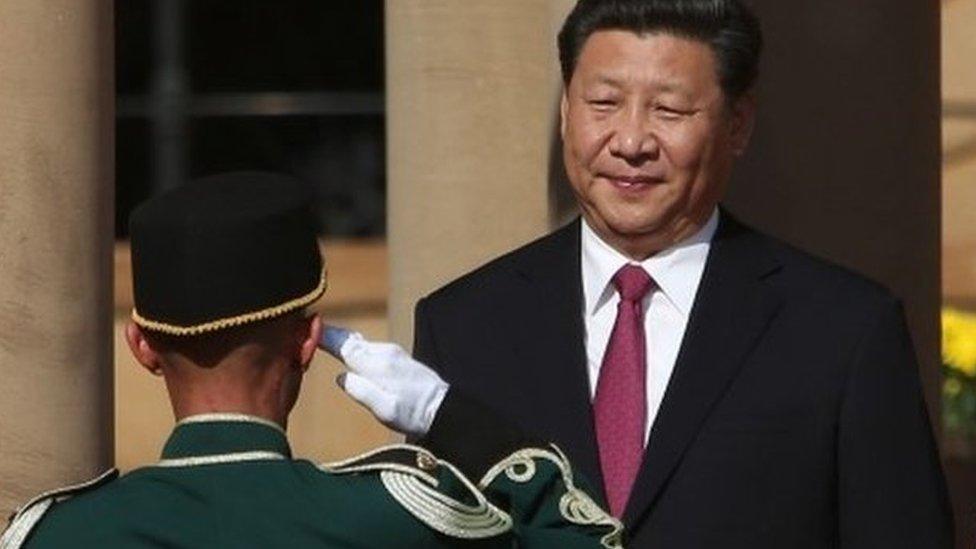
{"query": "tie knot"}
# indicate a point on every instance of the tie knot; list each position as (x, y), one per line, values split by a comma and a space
(632, 282)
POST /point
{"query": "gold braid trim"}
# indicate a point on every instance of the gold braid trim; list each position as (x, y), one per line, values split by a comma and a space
(443, 513)
(27, 517)
(419, 493)
(220, 459)
(229, 322)
(225, 417)
(575, 505)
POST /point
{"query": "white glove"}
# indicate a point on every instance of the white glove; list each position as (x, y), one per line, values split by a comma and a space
(402, 393)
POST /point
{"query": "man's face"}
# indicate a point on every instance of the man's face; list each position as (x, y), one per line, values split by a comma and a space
(648, 137)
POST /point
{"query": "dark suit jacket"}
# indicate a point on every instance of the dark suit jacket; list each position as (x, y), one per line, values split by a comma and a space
(793, 419)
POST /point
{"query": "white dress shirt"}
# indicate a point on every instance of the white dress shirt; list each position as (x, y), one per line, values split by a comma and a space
(676, 271)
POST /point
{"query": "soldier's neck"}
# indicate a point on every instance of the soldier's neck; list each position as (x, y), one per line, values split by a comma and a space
(229, 392)
(224, 405)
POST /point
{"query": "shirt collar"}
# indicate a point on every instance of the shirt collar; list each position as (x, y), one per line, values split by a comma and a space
(676, 270)
(212, 434)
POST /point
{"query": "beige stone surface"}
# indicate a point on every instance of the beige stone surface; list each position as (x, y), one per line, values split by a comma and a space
(471, 106)
(56, 196)
(959, 152)
(958, 49)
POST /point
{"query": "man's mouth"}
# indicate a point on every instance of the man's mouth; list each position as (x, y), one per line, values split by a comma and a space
(632, 182)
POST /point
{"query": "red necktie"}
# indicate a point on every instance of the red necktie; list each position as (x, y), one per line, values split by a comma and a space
(620, 406)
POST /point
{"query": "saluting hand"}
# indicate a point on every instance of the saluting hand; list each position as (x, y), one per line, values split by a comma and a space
(402, 393)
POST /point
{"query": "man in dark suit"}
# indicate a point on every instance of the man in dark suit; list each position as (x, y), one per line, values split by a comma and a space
(725, 389)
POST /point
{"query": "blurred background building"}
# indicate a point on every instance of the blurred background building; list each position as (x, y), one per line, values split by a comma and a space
(427, 131)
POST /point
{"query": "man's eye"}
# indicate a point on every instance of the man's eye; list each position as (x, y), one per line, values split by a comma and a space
(671, 112)
(603, 103)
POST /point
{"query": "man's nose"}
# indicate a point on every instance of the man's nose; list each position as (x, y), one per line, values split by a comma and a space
(633, 138)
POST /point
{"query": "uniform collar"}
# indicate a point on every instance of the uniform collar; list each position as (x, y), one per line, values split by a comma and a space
(214, 434)
(676, 270)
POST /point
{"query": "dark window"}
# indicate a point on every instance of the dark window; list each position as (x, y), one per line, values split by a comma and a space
(294, 86)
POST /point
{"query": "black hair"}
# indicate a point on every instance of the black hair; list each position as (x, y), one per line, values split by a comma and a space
(729, 27)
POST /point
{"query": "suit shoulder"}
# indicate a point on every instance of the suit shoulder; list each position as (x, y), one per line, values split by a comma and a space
(26, 518)
(482, 281)
(808, 275)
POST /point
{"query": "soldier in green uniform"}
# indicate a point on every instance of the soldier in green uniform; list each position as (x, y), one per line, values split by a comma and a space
(223, 269)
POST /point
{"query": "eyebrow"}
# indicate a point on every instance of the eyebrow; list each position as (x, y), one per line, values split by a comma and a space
(659, 85)
(604, 79)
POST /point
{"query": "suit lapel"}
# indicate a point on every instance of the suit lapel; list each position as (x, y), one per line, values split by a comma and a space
(732, 309)
(553, 336)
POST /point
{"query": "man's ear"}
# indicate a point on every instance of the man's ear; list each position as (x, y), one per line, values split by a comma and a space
(141, 350)
(563, 109)
(743, 122)
(313, 333)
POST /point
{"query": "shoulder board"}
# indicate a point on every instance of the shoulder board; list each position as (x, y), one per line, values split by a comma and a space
(410, 474)
(23, 521)
(575, 505)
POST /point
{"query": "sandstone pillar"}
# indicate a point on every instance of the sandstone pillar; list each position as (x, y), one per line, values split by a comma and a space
(471, 96)
(56, 200)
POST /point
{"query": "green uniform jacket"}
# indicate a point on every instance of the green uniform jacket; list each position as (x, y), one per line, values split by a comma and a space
(229, 481)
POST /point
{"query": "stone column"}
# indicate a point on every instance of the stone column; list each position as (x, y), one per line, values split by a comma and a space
(471, 97)
(56, 201)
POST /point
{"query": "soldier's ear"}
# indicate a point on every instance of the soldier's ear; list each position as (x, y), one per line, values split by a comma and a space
(313, 333)
(142, 350)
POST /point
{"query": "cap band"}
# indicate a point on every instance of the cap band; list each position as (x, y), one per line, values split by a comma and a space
(229, 322)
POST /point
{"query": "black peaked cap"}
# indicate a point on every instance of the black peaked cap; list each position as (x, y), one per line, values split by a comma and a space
(222, 251)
